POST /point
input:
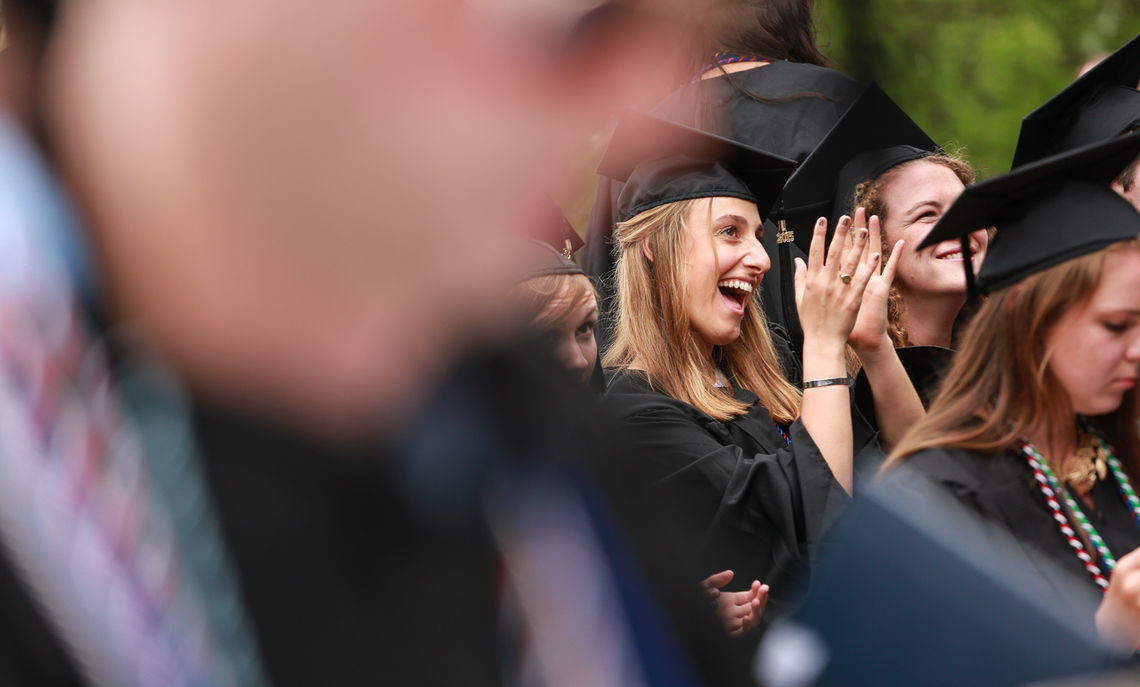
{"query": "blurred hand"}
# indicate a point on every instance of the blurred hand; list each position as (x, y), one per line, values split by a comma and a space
(1118, 617)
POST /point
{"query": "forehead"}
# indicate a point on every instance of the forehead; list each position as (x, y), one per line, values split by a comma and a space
(712, 208)
(1119, 287)
(922, 177)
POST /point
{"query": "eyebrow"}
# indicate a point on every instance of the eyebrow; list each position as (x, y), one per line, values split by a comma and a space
(739, 220)
(921, 203)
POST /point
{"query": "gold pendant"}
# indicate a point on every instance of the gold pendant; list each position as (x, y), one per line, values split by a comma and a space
(1087, 466)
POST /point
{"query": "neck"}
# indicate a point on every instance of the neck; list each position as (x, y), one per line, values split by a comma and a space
(929, 319)
(1055, 440)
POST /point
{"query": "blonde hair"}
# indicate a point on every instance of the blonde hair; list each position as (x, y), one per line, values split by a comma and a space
(653, 327)
(869, 195)
(566, 292)
(999, 387)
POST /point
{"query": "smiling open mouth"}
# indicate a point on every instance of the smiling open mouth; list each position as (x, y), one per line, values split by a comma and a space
(736, 290)
(954, 255)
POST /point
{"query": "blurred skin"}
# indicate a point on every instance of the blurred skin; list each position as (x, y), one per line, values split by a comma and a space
(311, 214)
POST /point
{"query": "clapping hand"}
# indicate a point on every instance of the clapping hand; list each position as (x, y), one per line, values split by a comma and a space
(738, 611)
(870, 331)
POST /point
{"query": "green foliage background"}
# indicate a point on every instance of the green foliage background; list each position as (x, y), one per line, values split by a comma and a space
(967, 71)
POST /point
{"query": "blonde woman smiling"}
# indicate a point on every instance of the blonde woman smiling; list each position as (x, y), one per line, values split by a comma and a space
(756, 468)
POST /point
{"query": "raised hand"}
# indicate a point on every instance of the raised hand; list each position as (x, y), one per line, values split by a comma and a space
(829, 291)
(869, 334)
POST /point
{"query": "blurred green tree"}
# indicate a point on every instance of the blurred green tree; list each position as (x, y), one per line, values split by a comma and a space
(968, 70)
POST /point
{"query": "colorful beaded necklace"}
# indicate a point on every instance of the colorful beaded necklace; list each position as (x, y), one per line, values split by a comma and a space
(721, 59)
(783, 435)
(1051, 487)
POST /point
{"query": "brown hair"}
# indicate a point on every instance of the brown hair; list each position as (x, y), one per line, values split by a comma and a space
(653, 325)
(999, 387)
(772, 29)
(566, 291)
(869, 195)
(1127, 178)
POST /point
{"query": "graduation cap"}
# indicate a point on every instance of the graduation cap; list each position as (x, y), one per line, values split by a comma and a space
(554, 229)
(873, 136)
(1100, 104)
(544, 259)
(663, 162)
(1045, 212)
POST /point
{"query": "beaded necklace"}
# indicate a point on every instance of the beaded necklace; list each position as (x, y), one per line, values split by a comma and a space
(1051, 487)
(721, 59)
(783, 435)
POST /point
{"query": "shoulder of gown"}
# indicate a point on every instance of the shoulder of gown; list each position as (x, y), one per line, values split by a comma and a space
(740, 472)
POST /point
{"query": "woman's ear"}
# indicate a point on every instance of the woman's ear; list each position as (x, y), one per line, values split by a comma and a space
(646, 249)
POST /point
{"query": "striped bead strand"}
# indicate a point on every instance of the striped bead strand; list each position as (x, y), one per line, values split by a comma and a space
(1050, 487)
(1122, 482)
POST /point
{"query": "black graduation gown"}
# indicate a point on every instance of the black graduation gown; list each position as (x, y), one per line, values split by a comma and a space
(744, 499)
(1001, 490)
(789, 128)
(924, 365)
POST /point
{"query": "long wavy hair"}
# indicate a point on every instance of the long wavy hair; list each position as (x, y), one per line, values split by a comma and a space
(653, 325)
(869, 195)
(999, 388)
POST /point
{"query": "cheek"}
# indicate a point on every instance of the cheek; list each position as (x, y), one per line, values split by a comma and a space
(590, 350)
(1099, 357)
(983, 240)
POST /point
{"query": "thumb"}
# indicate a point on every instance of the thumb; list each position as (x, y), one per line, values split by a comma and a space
(800, 279)
(718, 580)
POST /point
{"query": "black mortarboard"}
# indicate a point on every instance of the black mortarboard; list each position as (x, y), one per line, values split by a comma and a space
(1045, 212)
(873, 136)
(544, 259)
(1102, 103)
(663, 162)
(553, 228)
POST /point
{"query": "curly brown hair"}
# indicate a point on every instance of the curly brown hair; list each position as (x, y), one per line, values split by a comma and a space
(869, 195)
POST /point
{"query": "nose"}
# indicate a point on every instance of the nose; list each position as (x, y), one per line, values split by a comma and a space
(756, 257)
(1132, 353)
(570, 354)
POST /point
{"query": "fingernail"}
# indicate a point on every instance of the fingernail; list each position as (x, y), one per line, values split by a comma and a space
(863, 233)
(875, 257)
